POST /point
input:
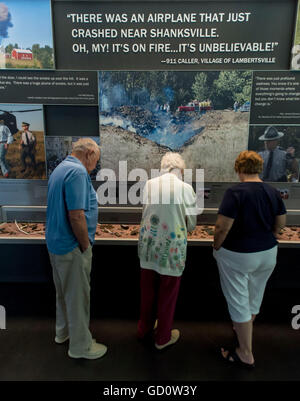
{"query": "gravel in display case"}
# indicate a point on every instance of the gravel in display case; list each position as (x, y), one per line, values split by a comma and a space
(124, 231)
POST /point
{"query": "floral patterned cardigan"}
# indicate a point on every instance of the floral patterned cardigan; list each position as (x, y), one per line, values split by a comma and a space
(168, 213)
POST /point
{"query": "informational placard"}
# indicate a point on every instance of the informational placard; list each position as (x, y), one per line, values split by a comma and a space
(275, 97)
(166, 35)
(48, 87)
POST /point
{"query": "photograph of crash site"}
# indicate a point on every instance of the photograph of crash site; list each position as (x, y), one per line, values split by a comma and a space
(22, 148)
(279, 147)
(59, 147)
(203, 116)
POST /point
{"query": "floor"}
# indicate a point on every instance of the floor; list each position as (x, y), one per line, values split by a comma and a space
(28, 352)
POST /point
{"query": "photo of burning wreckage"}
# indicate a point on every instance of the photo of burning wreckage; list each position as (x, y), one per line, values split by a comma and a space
(145, 114)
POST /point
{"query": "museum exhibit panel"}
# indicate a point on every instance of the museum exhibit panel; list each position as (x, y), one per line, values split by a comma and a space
(206, 79)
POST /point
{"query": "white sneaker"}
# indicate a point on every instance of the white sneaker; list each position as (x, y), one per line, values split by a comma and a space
(96, 351)
(175, 334)
(61, 340)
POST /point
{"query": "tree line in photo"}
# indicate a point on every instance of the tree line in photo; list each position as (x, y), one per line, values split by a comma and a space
(222, 88)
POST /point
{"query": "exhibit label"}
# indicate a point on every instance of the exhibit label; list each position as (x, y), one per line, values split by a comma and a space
(163, 35)
(49, 87)
(275, 98)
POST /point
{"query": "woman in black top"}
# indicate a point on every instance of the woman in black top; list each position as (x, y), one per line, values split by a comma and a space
(251, 215)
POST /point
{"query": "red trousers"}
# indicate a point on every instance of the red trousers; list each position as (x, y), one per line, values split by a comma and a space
(158, 301)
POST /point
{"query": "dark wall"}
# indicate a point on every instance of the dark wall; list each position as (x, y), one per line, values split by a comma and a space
(26, 284)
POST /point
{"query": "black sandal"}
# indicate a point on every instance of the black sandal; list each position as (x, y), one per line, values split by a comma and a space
(236, 359)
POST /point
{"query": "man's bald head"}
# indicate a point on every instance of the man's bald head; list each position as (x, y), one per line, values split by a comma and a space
(85, 144)
(87, 151)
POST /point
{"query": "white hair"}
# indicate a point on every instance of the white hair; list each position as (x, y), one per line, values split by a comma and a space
(172, 161)
(84, 144)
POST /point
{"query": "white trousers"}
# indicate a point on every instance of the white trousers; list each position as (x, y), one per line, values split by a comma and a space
(243, 280)
(71, 275)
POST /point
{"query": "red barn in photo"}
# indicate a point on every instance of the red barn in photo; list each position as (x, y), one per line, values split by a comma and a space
(21, 54)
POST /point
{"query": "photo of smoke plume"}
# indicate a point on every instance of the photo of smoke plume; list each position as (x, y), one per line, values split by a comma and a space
(201, 115)
(59, 147)
(19, 24)
(279, 147)
(22, 148)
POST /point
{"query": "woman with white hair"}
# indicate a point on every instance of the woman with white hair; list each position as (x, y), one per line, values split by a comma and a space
(168, 213)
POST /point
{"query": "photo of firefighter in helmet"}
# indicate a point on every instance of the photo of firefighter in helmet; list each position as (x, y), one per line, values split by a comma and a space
(280, 149)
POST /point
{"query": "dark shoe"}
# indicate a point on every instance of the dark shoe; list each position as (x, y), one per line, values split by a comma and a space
(23, 170)
(147, 340)
(233, 358)
(149, 336)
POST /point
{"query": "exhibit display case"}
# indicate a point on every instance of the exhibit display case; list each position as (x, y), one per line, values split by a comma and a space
(25, 257)
(20, 222)
(205, 79)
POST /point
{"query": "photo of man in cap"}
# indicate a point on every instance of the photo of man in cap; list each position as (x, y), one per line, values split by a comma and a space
(6, 139)
(27, 146)
(277, 161)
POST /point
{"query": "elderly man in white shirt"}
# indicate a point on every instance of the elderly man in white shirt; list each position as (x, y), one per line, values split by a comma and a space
(6, 139)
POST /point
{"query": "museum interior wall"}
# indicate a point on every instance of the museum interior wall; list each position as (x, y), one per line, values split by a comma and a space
(205, 79)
